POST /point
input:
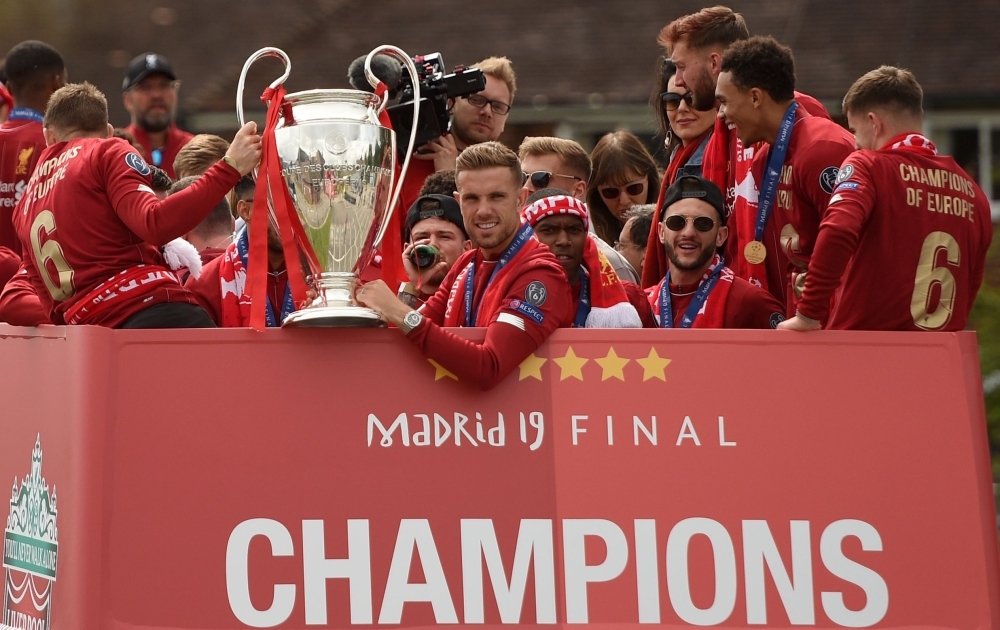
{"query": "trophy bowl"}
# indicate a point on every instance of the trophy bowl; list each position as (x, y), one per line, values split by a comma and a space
(338, 163)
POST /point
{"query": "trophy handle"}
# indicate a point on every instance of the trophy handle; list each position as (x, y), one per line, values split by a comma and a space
(263, 52)
(395, 186)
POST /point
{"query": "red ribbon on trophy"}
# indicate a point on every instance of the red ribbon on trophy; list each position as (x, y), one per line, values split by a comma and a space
(271, 188)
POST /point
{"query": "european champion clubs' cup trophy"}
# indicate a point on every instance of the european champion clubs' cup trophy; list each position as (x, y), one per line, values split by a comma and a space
(338, 164)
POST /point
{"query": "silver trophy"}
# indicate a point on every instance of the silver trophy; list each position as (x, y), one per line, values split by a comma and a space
(337, 161)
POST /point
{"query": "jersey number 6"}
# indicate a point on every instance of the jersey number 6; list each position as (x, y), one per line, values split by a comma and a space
(50, 250)
(928, 275)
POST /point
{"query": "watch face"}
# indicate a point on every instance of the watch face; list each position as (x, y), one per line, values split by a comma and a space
(412, 319)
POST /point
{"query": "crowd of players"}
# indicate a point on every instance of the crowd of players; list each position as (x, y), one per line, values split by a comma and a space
(768, 215)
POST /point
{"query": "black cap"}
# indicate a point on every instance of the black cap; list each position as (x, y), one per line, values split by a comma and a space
(441, 207)
(145, 65)
(694, 187)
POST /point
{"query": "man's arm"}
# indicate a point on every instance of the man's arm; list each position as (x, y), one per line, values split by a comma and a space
(19, 304)
(838, 238)
(159, 222)
(510, 337)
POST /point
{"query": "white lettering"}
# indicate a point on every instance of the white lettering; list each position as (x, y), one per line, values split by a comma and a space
(238, 575)
(317, 569)
(687, 432)
(647, 573)
(400, 423)
(722, 433)
(678, 586)
(796, 593)
(577, 429)
(876, 591)
(578, 573)
(637, 425)
(415, 535)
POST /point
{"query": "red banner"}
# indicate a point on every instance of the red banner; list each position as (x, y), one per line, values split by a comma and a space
(618, 478)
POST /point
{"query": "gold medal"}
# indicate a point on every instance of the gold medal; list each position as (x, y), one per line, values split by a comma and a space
(755, 252)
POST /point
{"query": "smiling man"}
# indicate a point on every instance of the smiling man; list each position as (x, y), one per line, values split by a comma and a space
(756, 92)
(509, 284)
(699, 291)
(149, 93)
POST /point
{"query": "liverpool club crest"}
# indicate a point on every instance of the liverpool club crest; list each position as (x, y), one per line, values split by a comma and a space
(30, 550)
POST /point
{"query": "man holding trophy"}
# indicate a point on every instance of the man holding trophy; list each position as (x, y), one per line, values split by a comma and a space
(510, 283)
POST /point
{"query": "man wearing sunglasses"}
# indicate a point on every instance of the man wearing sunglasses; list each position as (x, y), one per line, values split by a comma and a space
(699, 291)
(696, 44)
(560, 163)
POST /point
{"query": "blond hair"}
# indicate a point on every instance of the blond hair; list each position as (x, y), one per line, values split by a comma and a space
(888, 88)
(76, 107)
(199, 155)
(488, 155)
(569, 151)
(500, 68)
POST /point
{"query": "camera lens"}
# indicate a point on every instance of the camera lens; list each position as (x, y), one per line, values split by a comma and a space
(424, 256)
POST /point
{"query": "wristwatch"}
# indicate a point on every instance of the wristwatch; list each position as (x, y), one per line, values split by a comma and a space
(411, 321)
(230, 161)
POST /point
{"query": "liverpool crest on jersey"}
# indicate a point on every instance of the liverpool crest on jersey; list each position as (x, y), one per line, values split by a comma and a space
(30, 551)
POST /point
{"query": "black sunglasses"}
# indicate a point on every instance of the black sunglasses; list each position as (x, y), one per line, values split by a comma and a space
(540, 179)
(672, 100)
(676, 223)
(613, 192)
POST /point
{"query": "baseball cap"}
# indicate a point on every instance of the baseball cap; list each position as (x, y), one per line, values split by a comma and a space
(694, 187)
(145, 65)
(440, 207)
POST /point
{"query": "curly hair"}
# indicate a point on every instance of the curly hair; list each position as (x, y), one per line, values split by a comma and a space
(616, 158)
(762, 62)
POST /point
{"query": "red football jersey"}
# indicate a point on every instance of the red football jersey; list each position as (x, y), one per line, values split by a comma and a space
(176, 139)
(21, 142)
(88, 214)
(817, 148)
(904, 239)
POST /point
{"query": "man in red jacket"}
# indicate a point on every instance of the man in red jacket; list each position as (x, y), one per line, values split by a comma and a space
(696, 44)
(149, 93)
(90, 225)
(903, 243)
(510, 284)
(699, 291)
(796, 175)
(34, 71)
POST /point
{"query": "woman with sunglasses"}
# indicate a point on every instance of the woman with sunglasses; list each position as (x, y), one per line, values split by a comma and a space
(624, 175)
(686, 132)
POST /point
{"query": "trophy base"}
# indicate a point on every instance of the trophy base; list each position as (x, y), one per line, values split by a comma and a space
(334, 317)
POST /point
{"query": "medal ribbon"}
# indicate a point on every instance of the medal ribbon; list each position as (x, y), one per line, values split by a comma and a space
(515, 246)
(706, 286)
(765, 203)
(583, 309)
(287, 306)
(26, 113)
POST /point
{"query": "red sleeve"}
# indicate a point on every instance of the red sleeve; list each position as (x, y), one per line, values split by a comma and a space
(811, 105)
(506, 344)
(9, 264)
(19, 304)
(207, 289)
(750, 306)
(637, 298)
(839, 233)
(824, 156)
(434, 306)
(159, 222)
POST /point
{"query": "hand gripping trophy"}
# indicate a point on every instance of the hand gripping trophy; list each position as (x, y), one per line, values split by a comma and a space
(337, 162)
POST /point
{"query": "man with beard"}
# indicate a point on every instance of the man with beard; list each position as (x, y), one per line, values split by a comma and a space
(149, 93)
(511, 284)
(696, 44)
(435, 221)
(699, 291)
(756, 98)
(222, 290)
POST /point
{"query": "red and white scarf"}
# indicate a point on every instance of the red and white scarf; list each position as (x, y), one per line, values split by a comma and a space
(913, 142)
(235, 308)
(609, 305)
(713, 312)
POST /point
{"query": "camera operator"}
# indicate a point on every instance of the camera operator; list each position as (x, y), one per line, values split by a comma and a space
(475, 118)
